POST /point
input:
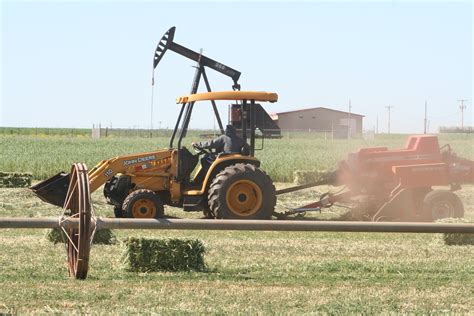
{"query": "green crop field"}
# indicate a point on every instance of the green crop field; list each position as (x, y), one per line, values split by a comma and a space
(248, 272)
(45, 155)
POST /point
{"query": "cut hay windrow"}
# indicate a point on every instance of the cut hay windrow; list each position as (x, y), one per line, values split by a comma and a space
(15, 179)
(454, 239)
(152, 255)
(308, 176)
(101, 237)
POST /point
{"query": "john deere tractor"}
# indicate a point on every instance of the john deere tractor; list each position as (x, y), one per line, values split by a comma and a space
(139, 185)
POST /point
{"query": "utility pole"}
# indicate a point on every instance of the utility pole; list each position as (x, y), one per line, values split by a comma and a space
(389, 107)
(151, 103)
(462, 107)
(426, 119)
(377, 125)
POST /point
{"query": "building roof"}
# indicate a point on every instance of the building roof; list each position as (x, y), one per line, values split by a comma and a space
(316, 108)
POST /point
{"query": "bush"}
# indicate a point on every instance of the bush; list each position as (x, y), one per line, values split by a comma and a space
(149, 255)
(15, 179)
(101, 237)
(453, 239)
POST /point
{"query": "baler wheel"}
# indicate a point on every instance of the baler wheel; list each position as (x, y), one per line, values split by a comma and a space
(440, 204)
(78, 205)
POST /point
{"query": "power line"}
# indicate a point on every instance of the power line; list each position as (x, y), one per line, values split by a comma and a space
(440, 118)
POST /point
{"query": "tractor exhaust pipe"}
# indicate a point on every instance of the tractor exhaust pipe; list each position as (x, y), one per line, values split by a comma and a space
(53, 190)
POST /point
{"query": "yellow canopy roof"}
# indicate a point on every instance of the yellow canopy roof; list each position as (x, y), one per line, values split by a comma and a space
(229, 95)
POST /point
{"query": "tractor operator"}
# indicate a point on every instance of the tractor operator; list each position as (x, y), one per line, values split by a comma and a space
(227, 143)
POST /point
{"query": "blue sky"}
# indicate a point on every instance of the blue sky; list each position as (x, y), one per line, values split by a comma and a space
(72, 64)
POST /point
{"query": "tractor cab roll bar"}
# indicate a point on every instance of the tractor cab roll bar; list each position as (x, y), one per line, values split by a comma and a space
(260, 117)
(248, 107)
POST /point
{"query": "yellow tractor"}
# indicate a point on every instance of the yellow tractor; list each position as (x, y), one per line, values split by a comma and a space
(139, 185)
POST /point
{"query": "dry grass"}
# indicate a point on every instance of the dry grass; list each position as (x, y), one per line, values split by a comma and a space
(249, 272)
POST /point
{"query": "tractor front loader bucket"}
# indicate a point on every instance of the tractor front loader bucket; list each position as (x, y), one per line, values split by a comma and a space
(53, 190)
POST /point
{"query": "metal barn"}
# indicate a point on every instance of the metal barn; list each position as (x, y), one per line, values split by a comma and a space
(319, 119)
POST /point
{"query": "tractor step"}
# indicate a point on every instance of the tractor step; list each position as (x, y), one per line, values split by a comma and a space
(193, 203)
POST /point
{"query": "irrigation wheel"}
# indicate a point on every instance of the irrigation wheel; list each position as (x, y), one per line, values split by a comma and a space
(78, 205)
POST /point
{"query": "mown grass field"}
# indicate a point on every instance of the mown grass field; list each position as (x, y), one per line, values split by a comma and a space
(249, 272)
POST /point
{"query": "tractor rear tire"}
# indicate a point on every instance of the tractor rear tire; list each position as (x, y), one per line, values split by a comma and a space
(118, 212)
(208, 214)
(242, 191)
(440, 204)
(143, 204)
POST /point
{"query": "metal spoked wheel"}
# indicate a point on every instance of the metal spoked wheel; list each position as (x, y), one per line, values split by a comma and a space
(78, 205)
(439, 204)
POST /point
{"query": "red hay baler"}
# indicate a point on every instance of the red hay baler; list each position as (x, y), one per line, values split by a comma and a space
(398, 185)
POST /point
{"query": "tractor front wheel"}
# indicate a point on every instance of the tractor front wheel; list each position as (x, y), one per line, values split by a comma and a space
(242, 191)
(440, 204)
(143, 204)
